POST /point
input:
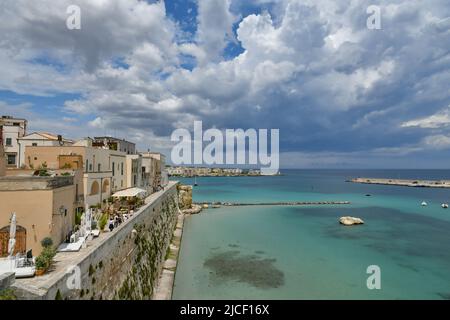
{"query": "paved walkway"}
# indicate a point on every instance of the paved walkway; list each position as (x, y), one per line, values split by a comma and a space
(166, 281)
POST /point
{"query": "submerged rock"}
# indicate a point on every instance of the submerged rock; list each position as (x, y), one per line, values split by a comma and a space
(349, 221)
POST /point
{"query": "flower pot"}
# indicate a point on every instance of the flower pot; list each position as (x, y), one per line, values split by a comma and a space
(39, 272)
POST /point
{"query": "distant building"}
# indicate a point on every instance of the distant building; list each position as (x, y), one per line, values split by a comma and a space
(134, 171)
(2, 155)
(38, 139)
(114, 144)
(12, 130)
(149, 171)
(161, 177)
(44, 207)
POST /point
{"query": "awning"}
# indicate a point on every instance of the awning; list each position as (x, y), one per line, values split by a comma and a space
(131, 192)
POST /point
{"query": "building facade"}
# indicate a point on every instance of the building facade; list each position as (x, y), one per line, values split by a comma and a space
(116, 144)
(134, 171)
(44, 207)
(96, 166)
(12, 130)
(41, 139)
(2, 155)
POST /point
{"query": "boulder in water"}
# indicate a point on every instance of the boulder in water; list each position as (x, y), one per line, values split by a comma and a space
(350, 221)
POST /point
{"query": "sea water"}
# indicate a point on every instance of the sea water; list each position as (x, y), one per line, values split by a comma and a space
(302, 252)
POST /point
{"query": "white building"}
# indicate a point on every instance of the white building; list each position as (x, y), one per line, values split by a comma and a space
(39, 139)
(134, 171)
(12, 130)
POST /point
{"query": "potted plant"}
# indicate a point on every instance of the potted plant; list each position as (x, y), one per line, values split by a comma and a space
(45, 259)
(41, 265)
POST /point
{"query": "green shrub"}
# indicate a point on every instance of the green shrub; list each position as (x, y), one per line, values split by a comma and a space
(7, 294)
(41, 263)
(46, 242)
(58, 295)
(45, 259)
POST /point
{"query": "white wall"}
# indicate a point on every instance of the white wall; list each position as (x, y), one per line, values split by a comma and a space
(12, 132)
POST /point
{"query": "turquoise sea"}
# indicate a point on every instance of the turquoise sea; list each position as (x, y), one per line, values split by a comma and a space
(302, 252)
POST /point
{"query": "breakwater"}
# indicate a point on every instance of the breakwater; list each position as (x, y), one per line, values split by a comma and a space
(404, 182)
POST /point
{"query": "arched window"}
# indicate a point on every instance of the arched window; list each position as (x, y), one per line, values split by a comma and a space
(105, 186)
(95, 188)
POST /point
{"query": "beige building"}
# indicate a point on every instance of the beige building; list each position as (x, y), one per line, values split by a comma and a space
(160, 177)
(39, 139)
(44, 207)
(149, 170)
(104, 170)
(2, 155)
(134, 171)
(12, 130)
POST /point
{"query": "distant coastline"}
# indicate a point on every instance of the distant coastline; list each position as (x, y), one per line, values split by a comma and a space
(190, 172)
(404, 182)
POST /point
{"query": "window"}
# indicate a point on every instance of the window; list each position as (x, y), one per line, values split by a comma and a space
(90, 167)
(11, 159)
(113, 169)
(87, 165)
(99, 166)
(34, 144)
(121, 168)
(8, 142)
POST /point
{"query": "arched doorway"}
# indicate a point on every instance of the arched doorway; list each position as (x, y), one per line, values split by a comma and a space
(21, 240)
(105, 186)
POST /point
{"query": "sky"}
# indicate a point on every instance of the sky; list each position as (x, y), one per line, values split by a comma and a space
(342, 95)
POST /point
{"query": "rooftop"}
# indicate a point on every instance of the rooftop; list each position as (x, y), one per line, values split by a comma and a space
(112, 139)
(48, 136)
(28, 183)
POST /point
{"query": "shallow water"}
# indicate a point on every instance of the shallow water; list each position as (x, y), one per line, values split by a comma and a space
(303, 253)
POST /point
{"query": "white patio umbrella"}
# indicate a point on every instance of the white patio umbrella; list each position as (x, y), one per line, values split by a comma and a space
(12, 235)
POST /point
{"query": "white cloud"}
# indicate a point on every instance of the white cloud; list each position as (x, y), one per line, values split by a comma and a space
(312, 69)
(437, 142)
(438, 120)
